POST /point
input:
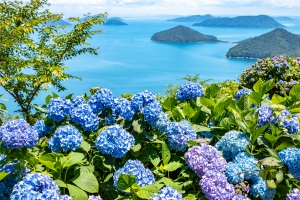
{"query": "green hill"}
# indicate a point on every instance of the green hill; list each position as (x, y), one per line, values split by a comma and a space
(182, 34)
(261, 21)
(276, 42)
(192, 18)
(114, 22)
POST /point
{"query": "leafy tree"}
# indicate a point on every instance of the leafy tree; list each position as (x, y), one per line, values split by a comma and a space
(33, 52)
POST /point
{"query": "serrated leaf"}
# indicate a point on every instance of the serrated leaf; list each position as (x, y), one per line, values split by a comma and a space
(153, 156)
(60, 183)
(199, 128)
(212, 91)
(284, 145)
(146, 192)
(165, 153)
(269, 161)
(137, 126)
(136, 147)
(125, 182)
(268, 85)
(295, 92)
(85, 146)
(209, 103)
(3, 174)
(87, 182)
(72, 159)
(177, 114)
(49, 160)
(279, 176)
(258, 86)
(169, 103)
(277, 99)
(256, 133)
(271, 184)
(87, 169)
(188, 111)
(255, 98)
(172, 166)
(76, 193)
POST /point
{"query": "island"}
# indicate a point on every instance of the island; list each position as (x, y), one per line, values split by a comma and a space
(182, 34)
(276, 42)
(59, 22)
(283, 18)
(260, 21)
(114, 22)
(192, 18)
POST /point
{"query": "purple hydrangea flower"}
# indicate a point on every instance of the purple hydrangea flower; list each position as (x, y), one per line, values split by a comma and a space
(167, 193)
(59, 108)
(115, 141)
(94, 197)
(239, 197)
(215, 186)
(291, 158)
(152, 112)
(35, 186)
(189, 90)
(294, 195)
(265, 115)
(101, 100)
(17, 134)
(179, 133)
(84, 116)
(242, 92)
(260, 188)
(142, 99)
(143, 176)
(204, 158)
(232, 143)
(123, 108)
(65, 138)
(42, 128)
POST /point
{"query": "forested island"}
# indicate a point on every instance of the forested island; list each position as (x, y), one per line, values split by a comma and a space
(192, 18)
(276, 42)
(182, 34)
(260, 21)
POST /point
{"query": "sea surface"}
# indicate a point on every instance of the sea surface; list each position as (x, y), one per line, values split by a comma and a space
(129, 61)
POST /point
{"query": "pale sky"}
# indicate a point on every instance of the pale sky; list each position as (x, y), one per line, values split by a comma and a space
(152, 8)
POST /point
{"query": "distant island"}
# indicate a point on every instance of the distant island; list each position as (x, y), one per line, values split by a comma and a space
(115, 21)
(260, 21)
(182, 34)
(276, 42)
(283, 18)
(192, 18)
(60, 22)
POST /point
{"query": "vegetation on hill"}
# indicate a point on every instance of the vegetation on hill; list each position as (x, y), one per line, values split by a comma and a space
(182, 34)
(283, 18)
(260, 21)
(114, 22)
(192, 18)
(276, 42)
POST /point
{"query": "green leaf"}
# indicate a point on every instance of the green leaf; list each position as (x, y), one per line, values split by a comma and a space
(258, 86)
(146, 192)
(172, 166)
(221, 107)
(284, 145)
(242, 103)
(165, 153)
(87, 169)
(171, 183)
(273, 153)
(3, 174)
(137, 126)
(209, 103)
(60, 183)
(153, 156)
(257, 133)
(54, 95)
(271, 138)
(269, 161)
(85, 146)
(47, 99)
(169, 103)
(39, 108)
(268, 85)
(49, 160)
(255, 98)
(294, 110)
(72, 159)
(279, 176)
(199, 128)
(188, 111)
(277, 99)
(177, 114)
(190, 197)
(271, 184)
(125, 182)
(295, 92)
(77, 193)
(87, 182)
(212, 91)
(136, 147)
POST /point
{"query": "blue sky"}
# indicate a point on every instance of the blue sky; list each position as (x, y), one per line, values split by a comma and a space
(154, 8)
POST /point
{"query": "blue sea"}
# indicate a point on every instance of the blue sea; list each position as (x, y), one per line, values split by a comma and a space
(129, 61)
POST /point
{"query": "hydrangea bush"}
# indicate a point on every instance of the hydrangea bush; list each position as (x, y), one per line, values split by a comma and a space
(204, 143)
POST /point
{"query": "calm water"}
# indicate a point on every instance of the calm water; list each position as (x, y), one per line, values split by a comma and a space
(129, 61)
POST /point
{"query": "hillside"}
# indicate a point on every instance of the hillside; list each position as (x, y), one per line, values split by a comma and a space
(283, 18)
(114, 22)
(276, 42)
(261, 21)
(60, 22)
(192, 18)
(182, 34)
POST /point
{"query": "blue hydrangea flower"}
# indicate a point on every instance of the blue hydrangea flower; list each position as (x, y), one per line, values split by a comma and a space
(35, 186)
(162, 123)
(42, 128)
(142, 99)
(242, 92)
(65, 138)
(292, 125)
(167, 193)
(102, 99)
(115, 141)
(110, 120)
(9, 167)
(247, 163)
(143, 176)
(6, 186)
(152, 112)
(17, 134)
(291, 158)
(123, 108)
(204, 158)
(294, 195)
(179, 133)
(260, 188)
(234, 173)
(94, 197)
(232, 143)
(265, 115)
(215, 186)
(65, 197)
(78, 100)
(84, 116)
(189, 90)
(59, 108)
